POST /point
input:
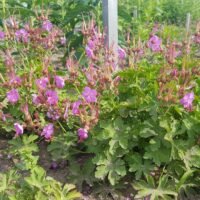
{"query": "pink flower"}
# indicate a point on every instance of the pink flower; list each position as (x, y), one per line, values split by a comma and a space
(13, 96)
(2, 35)
(75, 107)
(60, 82)
(15, 80)
(53, 114)
(89, 52)
(121, 53)
(178, 53)
(140, 52)
(42, 82)
(89, 95)
(47, 25)
(48, 131)
(18, 129)
(66, 112)
(52, 97)
(22, 35)
(91, 74)
(9, 61)
(36, 99)
(82, 134)
(197, 38)
(54, 165)
(91, 44)
(174, 72)
(63, 40)
(3, 117)
(187, 100)
(154, 43)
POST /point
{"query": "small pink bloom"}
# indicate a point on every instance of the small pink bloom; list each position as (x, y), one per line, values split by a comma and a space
(13, 96)
(89, 95)
(187, 100)
(121, 53)
(9, 61)
(3, 117)
(91, 75)
(178, 53)
(197, 38)
(82, 134)
(154, 43)
(52, 97)
(2, 35)
(63, 40)
(60, 82)
(54, 165)
(47, 25)
(66, 112)
(75, 107)
(89, 52)
(174, 72)
(22, 35)
(53, 114)
(15, 80)
(48, 131)
(18, 129)
(140, 52)
(36, 99)
(42, 82)
(91, 44)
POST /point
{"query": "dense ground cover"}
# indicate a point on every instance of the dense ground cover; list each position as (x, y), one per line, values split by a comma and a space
(70, 122)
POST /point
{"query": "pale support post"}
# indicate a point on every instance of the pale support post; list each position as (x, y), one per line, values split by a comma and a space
(135, 12)
(110, 18)
(188, 20)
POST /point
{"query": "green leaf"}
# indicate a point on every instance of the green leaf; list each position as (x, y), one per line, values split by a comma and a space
(101, 172)
(162, 191)
(183, 180)
(157, 151)
(37, 178)
(191, 157)
(114, 168)
(136, 164)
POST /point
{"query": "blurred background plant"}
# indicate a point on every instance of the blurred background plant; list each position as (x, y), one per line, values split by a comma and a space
(66, 14)
(137, 16)
(140, 15)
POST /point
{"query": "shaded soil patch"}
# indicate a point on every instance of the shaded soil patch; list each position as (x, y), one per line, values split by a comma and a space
(58, 172)
(5, 159)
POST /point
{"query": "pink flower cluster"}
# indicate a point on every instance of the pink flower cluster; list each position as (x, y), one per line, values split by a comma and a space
(2, 35)
(13, 96)
(121, 53)
(83, 134)
(22, 35)
(154, 43)
(18, 129)
(48, 87)
(47, 25)
(48, 131)
(89, 95)
(187, 100)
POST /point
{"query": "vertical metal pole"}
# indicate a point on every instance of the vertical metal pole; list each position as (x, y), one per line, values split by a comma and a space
(110, 18)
